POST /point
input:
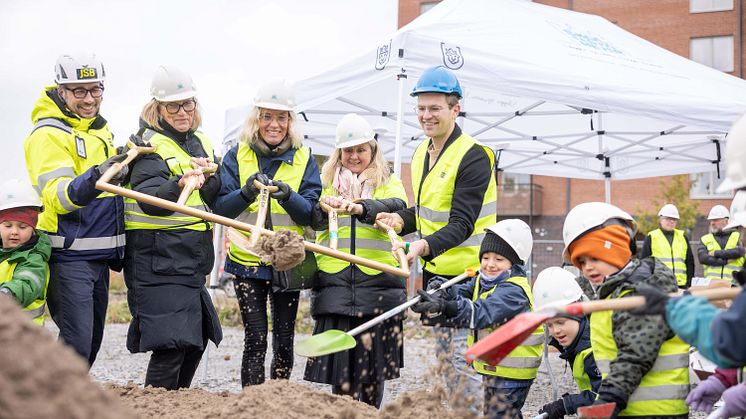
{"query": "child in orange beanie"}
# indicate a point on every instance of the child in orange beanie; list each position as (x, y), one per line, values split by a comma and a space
(643, 365)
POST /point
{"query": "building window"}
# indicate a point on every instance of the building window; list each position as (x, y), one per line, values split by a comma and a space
(713, 51)
(512, 182)
(424, 7)
(704, 185)
(704, 6)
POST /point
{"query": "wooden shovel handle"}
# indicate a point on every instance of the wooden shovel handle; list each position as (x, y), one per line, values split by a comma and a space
(131, 154)
(191, 183)
(628, 303)
(260, 186)
(261, 213)
(393, 237)
(208, 216)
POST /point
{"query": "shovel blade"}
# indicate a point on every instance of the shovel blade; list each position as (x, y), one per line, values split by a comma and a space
(599, 411)
(498, 344)
(329, 342)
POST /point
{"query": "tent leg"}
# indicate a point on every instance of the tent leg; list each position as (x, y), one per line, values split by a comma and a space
(401, 77)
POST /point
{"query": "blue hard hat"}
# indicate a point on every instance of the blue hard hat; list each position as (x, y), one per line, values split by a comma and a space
(438, 79)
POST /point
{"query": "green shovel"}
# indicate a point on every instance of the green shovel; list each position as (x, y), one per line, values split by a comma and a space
(333, 341)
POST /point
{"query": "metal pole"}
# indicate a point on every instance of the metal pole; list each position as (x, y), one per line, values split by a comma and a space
(401, 77)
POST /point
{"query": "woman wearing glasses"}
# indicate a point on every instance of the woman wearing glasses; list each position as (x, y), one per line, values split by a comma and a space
(169, 254)
(270, 151)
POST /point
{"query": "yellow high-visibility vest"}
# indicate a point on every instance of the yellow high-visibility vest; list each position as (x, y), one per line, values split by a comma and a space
(672, 254)
(722, 272)
(434, 197)
(36, 308)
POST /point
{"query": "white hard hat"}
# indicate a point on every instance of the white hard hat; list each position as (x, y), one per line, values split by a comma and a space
(171, 84)
(517, 234)
(555, 286)
(276, 94)
(670, 211)
(15, 193)
(352, 130)
(735, 157)
(589, 215)
(737, 211)
(78, 68)
(717, 212)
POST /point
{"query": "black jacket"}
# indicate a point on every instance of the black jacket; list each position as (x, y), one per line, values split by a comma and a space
(721, 257)
(647, 251)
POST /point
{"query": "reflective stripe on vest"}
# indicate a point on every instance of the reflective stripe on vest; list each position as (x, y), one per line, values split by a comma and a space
(370, 242)
(292, 174)
(434, 197)
(36, 308)
(672, 254)
(662, 390)
(92, 243)
(578, 370)
(178, 162)
(722, 272)
(522, 363)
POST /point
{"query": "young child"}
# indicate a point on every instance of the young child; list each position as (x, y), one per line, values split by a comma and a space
(571, 335)
(499, 293)
(643, 365)
(24, 257)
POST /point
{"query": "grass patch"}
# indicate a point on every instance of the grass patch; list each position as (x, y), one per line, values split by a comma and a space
(118, 312)
(116, 283)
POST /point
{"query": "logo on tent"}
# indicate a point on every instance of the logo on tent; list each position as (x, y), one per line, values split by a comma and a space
(452, 57)
(382, 55)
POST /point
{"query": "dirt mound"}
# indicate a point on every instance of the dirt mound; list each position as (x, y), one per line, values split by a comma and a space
(40, 377)
(424, 403)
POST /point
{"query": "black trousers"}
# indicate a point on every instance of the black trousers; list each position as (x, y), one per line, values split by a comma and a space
(252, 297)
(173, 368)
(371, 394)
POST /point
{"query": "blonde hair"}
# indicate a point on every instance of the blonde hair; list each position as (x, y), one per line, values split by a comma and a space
(250, 132)
(381, 176)
(152, 116)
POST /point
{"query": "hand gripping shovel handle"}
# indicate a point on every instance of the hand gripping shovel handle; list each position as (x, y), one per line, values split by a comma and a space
(192, 182)
(230, 222)
(133, 151)
(402, 307)
(403, 262)
(261, 209)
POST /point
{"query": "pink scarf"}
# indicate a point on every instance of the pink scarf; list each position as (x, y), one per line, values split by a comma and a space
(351, 186)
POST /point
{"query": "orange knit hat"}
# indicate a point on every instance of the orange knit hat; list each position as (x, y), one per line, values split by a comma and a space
(609, 244)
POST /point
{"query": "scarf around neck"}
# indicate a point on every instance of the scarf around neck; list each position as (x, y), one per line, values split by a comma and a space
(351, 186)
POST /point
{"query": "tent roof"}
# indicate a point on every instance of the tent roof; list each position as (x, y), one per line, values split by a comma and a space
(573, 94)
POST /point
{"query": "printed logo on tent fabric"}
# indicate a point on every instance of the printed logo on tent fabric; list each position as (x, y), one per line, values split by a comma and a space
(382, 55)
(452, 57)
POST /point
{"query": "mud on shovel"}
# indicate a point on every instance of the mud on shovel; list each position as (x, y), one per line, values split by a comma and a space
(333, 341)
(132, 152)
(498, 344)
(192, 181)
(400, 255)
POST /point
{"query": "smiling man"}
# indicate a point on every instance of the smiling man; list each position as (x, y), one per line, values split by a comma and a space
(68, 150)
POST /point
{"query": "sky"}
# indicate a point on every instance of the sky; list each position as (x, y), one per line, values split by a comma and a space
(228, 47)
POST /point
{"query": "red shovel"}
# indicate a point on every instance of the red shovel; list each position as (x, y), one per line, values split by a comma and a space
(599, 411)
(498, 344)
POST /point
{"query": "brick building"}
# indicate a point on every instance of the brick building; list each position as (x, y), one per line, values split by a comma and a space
(707, 31)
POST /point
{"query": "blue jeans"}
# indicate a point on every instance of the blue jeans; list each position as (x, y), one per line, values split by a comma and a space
(504, 398)
(461, 378)
(77, 297)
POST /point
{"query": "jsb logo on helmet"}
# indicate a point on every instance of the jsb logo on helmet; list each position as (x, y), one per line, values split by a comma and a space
(87, 73)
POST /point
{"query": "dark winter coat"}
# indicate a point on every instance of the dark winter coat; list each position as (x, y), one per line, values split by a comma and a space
(647, 251)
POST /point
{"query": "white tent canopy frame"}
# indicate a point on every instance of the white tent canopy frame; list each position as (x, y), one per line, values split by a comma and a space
(574, 95)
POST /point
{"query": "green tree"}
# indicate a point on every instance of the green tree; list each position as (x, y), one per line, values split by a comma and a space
(674, 190)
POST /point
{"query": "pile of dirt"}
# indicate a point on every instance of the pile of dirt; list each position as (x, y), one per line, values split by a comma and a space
(39, 377)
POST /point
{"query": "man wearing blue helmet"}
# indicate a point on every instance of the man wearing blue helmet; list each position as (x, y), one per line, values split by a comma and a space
(455, 192)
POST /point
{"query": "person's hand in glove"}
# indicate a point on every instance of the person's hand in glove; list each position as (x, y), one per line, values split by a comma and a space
(119, 177)
(706, 394)
(434, 283)
(735, 402)
(655, 300)
(283, 191)
(434, 306)
(249, 191)
(554, 410)
(740, 277)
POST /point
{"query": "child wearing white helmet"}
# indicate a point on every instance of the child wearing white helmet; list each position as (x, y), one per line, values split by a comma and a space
(571, 335)
(497, 294)
(24, 256)
(643, 365)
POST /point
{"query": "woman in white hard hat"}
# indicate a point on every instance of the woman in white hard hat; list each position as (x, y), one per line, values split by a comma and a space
(358, 181)
(571, 335)
(168, 254)
(270, 150)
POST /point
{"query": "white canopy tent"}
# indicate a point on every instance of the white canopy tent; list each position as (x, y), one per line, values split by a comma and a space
(573, 94)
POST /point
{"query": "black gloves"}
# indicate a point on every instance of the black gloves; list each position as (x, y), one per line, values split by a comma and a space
(655, 300)
(740, 276)
(434, 306)
(249, 191)
(555, 409)
(434, 283)
(119, 177)
(283, 191)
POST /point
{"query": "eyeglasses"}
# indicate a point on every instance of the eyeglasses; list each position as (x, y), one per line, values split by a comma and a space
(81, 93)
(268, 118)
(174, 108)
(432, 110)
